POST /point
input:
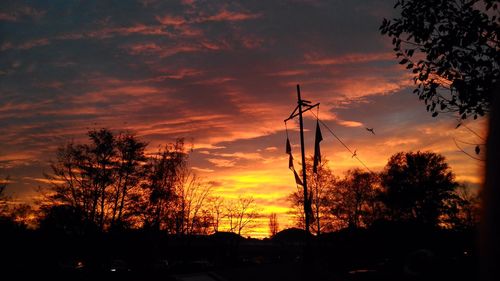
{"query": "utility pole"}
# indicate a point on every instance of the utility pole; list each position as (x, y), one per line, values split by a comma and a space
(307, 106)
(302, 151)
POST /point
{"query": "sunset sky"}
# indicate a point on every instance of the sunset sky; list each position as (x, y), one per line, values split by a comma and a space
(221, 74)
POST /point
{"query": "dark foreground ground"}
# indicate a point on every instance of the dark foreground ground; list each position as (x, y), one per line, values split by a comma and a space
(388, 253)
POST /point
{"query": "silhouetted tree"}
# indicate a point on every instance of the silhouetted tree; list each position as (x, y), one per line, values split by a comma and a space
(63, 219)
(113, 184)
(164, 177)
(97, 177)
(191, 212)
(463, 209)
(14, 214)
(241, 213)
(24, 215)
(353, 200)
(71, 183)
(129, 172)
(416, 186)
(203, 222)
(3, 198)
(296, 200)
(273, 224)
(320, 184)
(451, 45)
(216, 209)
(100, 155)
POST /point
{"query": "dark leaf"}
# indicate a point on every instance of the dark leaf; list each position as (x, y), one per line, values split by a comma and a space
(458, 42)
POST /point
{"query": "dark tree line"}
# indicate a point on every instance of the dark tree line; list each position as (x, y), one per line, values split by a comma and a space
(414, 187)
(112, 183)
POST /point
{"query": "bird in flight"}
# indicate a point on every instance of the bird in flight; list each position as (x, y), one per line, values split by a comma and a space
(370, 130)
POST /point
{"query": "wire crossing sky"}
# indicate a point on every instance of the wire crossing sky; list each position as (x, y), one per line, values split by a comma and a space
(354, 154)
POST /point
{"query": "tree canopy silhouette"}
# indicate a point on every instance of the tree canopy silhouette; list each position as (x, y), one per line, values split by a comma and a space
(416, 187)
(111, 183)
(321, 184)
(354, 200)
(450, 45)
(97, 177)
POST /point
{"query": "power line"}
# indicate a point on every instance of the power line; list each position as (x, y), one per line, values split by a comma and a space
(470, 143)
(472, 131)
(462, 150)
(345, 145)
(461, 123)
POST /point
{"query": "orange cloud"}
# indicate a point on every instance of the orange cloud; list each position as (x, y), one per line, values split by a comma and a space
(218, 80)
(43, 180)
(136, 29)
(204, 170)
(7, 17)
(287, 73)
(34, 43)
(351, 124)
(26, 45)
(222, 163)
(160, 51)
(171, 20)
(350, 59)
(226, 15)
(108, 93)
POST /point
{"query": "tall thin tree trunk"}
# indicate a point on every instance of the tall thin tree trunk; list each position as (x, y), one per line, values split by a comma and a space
(94, 203)
(116, 199)
(490, 228)
(124, 194)
(103, 198)
(318, 223)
